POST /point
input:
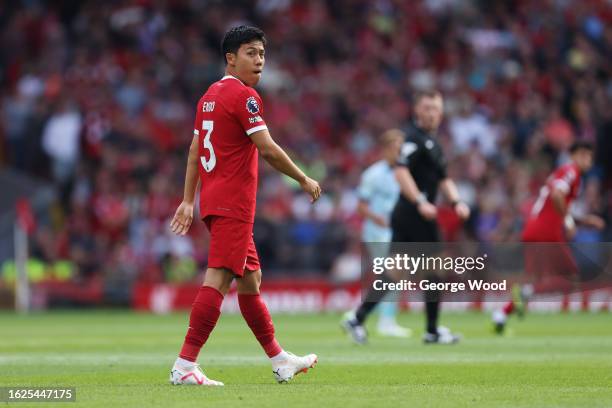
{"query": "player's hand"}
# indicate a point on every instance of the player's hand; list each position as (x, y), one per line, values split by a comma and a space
(427, 210)
(182, 218)
(595, 221)
(379, 220)
(311, 187)
(462, 210)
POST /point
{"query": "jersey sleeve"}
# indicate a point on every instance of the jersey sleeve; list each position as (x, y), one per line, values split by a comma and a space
(249, 111)
(197, 122)
(366, 187)
(566, 180)
(409, 151)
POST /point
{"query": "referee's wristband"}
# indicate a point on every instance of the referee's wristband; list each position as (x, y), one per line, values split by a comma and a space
(421, 198)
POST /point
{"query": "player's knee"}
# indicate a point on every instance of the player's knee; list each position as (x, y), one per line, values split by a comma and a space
(249, 283)
(218, 278)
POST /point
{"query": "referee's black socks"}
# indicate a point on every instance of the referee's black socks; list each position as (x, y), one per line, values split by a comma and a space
(432, 304)
(373, 298)
(432, 307)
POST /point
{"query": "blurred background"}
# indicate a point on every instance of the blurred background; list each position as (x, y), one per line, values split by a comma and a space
(97, 102)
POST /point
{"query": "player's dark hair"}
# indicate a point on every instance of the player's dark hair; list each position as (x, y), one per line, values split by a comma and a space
(580, 145)
(236, 36)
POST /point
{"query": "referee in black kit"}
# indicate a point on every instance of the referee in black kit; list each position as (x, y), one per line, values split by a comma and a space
(420, 170)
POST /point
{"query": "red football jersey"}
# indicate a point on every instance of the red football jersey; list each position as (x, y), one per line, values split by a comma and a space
(544, 222)
(228, 113)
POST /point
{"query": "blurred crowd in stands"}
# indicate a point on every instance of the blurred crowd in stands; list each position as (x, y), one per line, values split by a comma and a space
(99, 98)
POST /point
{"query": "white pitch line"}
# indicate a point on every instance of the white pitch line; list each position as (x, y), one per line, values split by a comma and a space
(101, 359)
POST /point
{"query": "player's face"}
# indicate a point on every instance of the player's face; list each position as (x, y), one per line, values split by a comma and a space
(248, 62)
(584, 159)
(428, 111)
(392, 150)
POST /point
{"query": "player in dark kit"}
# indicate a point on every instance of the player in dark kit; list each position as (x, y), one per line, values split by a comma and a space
(229, 131)
(420, 171)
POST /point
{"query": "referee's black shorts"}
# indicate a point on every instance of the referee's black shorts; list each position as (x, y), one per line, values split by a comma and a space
(409, 226)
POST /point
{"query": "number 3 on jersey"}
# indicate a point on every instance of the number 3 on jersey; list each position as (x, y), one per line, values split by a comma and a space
(209, 164)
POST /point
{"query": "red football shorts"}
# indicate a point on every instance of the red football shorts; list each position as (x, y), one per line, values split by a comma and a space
(547, 251)
(231, 245)
(549, 261)
(543, 231)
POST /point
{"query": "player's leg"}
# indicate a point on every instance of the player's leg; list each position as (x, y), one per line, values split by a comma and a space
(517, 305)
(500, 316)
(372, 299)
(226, 256)
(256, 313)
(388, 307)
(387, 319)
(285, 365)
(204, 315)
(562, 274)
(536, 258)
(205, 311)
(427, 233)
(432, 310)
(353, 322)
(434, 333)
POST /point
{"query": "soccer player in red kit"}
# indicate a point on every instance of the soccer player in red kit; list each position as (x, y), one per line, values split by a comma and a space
(229, 132)
(552, 266)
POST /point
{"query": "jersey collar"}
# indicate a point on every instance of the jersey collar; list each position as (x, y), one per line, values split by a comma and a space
(232, 77)
(421, 130)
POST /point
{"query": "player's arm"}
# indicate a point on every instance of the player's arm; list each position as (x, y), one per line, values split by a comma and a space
(184, 213)
(591, 220)
(449, 189)
(365, 191)
(407, 185)
(276, 156)
(560, 188)
(560, 203)
(584, 219)
(557, 197)
(363, 208)
(410, 190)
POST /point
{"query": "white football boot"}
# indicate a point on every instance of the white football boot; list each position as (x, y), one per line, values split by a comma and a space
(356, 331)
(499, 321)
(286, 368)
(190, 376)
(389, 328)
(444, 336)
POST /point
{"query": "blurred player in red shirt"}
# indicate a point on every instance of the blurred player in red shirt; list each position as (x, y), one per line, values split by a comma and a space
(229, 132)
(551, 265)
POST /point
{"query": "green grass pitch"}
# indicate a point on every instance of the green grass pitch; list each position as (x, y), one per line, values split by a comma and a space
(122, 359)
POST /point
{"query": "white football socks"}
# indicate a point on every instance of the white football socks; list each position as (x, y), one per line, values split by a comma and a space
(184, 364)
(279, 357)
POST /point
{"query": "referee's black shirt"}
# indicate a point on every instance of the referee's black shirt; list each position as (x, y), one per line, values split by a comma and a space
(423, 156)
